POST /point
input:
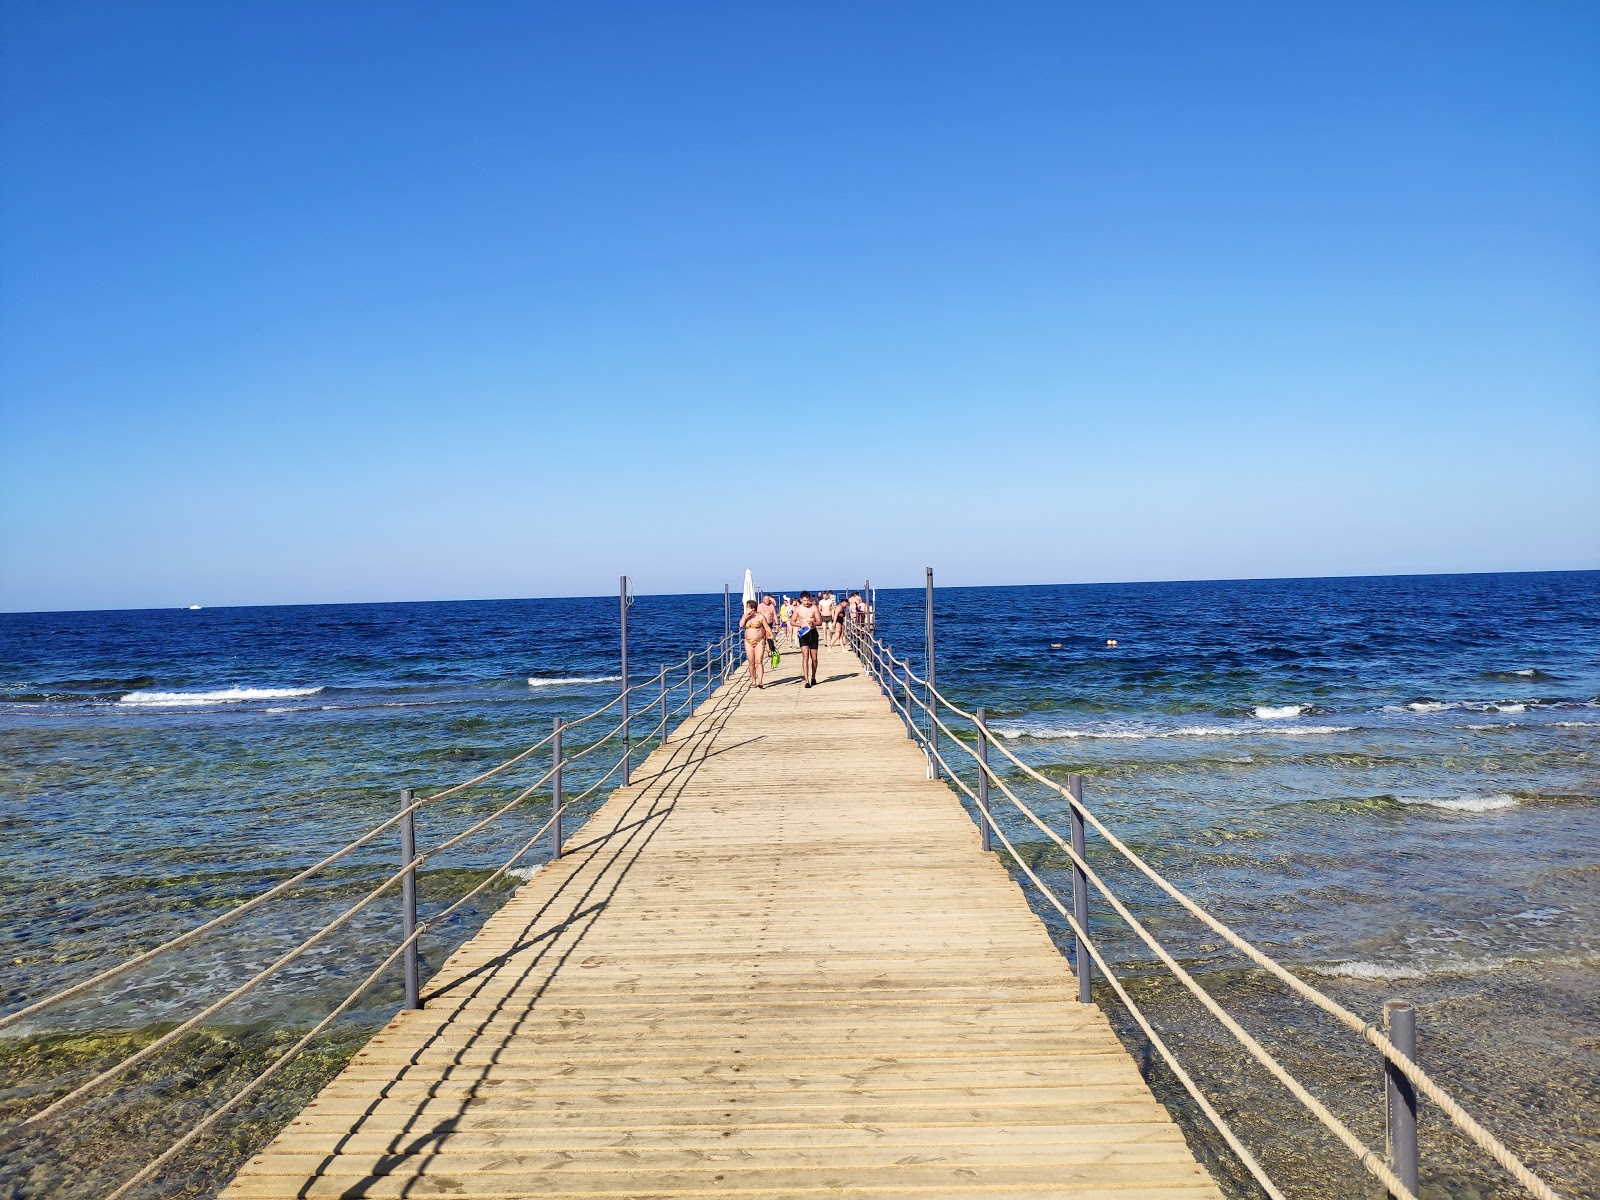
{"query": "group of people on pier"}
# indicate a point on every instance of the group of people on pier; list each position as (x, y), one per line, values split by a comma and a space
(806, 623)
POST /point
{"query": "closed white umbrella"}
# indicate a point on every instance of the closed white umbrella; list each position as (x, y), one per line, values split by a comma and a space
(749, 586)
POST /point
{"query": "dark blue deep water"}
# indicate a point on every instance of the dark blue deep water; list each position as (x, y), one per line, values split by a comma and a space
(1390, 783)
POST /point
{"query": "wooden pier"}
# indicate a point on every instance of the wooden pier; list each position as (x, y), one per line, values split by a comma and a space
(777, 964)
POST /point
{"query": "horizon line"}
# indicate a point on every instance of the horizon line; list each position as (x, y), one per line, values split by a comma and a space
(912, 587)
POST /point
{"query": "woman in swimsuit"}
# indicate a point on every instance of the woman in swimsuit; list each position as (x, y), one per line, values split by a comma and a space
(756, 633)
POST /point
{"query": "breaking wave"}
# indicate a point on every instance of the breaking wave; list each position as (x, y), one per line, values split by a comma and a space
(1067, 733)
(145, 699)
(1277, 712)
(535, 681)
(1366, 970)
(1476, 804)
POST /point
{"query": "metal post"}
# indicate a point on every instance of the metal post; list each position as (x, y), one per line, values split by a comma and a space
(627, 725)
(911, 721)
(727, 613)
(1400, 1107)
(408, 899)
(555, 794)
(710, 683)
(663, 706)
(933, 729)
(983, 783)
(1080, 888)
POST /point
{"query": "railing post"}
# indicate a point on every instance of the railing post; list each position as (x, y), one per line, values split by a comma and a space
(906, 716)
(983, 783)
(627, 725)
(933, 727)
(555, 794)
(710, 684)
(1400, 1097)
(1080, 888)
(663, 706)
(408, 899)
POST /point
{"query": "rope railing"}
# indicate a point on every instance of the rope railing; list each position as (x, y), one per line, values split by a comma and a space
(283, 1060)
(890, 671)
(1189, 1085)
(692, 666)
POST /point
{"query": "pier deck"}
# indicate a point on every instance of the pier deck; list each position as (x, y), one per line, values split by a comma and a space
(778, 964)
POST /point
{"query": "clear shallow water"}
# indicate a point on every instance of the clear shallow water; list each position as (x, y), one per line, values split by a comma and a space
(1390, 783)
(160, 766)
(1381, 778)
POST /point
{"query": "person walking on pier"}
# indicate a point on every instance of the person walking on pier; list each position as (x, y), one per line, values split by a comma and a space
(807, 619)
(769, 612)
(826, 607)
(757, 636)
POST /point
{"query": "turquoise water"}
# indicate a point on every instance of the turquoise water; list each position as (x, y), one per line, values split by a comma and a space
(1391, 784)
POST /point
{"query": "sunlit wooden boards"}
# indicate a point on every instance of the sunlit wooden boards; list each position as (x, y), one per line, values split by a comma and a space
(776, 965)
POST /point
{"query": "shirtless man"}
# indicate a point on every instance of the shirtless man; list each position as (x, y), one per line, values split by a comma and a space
(769, 613)
(807, 618)
(825, 606)
(841, 622)
(756, 633)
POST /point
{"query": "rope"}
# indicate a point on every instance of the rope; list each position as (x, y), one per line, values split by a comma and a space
(597, 743)
(249, 985)
(75, 990)
(1368, 1158)
(589, 791)
(293, 1051)
(1463, 1120)
(1257, 1171)
(493, 771)
(1424, 1083)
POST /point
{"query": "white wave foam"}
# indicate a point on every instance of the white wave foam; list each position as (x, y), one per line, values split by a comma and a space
(1277, 712)
(1432, 706)
(1511, 709)
(524, 873)
(1060, 733)
(1366, 970)
(220, 696)
(573, 681)
(1475, 804)
(1576, 724)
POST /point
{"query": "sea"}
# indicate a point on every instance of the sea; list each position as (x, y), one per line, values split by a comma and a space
(1391, 784)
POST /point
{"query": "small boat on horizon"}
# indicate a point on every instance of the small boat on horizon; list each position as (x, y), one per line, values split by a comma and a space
(194, 608)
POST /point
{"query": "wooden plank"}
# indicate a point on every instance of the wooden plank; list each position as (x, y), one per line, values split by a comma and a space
(776, 965)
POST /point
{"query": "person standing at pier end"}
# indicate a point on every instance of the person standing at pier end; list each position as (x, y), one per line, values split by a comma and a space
(757, 634)
(807, 619)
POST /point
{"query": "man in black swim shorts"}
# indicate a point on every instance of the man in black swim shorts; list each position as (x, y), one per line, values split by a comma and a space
(805, 619)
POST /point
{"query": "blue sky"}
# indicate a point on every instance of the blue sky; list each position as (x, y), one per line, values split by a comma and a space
(324, 302)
